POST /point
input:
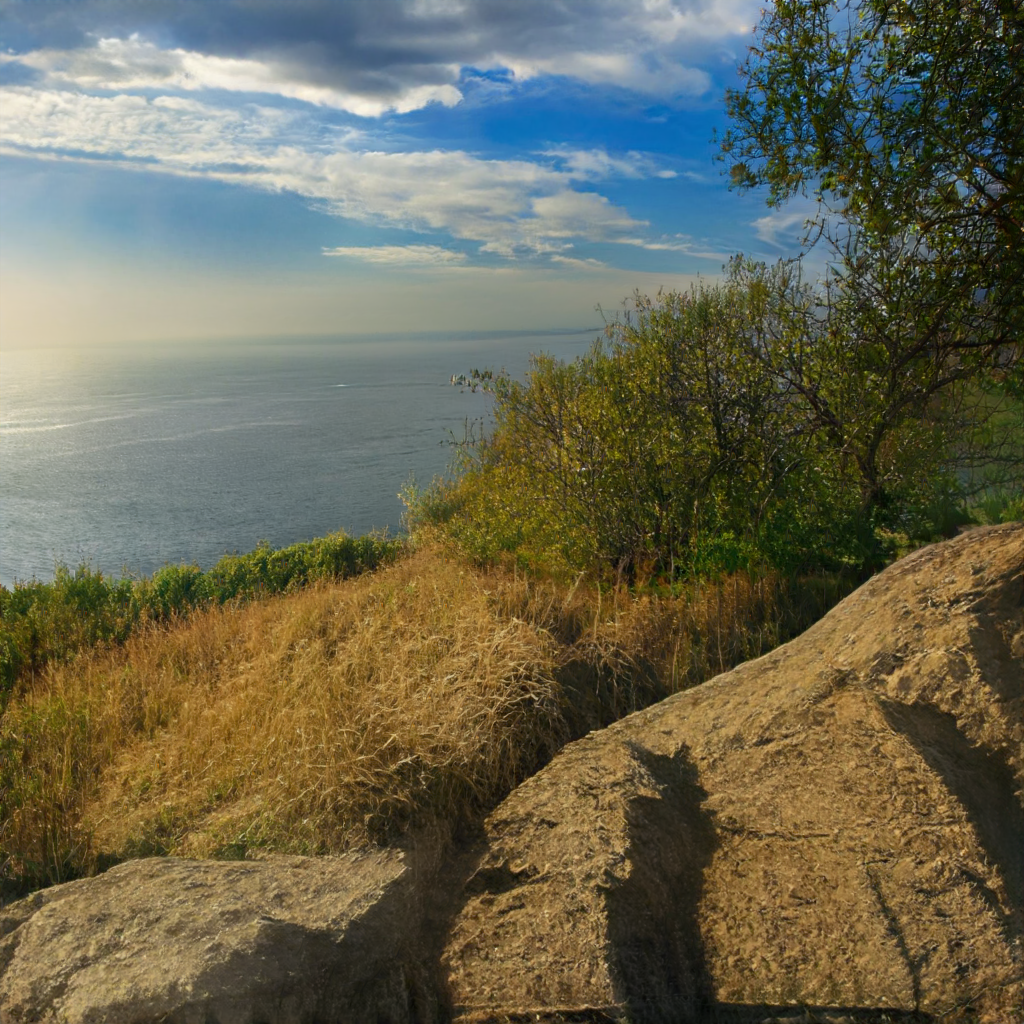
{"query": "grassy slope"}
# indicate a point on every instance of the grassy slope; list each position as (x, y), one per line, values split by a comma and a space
(45, 622)
(345, 713)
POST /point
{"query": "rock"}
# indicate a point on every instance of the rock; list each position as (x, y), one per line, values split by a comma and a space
(285, 939)
(837, 825)
(831, 830)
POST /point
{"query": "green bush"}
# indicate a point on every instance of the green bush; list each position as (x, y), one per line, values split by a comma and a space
(998, 507)
(40, 622)
(667, 451)
(173, 590)
(739, 425)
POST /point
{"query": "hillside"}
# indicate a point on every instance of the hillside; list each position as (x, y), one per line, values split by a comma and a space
(348, 712)
(826, 833)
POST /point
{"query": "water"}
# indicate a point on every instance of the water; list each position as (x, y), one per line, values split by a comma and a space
(128, 459)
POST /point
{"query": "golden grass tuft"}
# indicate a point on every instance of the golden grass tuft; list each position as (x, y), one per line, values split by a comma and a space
(342, 714)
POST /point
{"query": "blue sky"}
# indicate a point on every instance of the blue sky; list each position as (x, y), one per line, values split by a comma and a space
(206, 168)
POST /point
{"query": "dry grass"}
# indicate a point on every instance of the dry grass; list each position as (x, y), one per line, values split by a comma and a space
(343, 714)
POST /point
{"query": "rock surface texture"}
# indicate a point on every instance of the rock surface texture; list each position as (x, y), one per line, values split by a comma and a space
(836, 826)
(286, 940)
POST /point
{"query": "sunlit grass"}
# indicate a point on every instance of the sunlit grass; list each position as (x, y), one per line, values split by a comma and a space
(347, 713)
(44, 622)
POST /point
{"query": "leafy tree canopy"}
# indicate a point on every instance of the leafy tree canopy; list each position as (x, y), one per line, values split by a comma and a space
(907, 118)
(906, 111)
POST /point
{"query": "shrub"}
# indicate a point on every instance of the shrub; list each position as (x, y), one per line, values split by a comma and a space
(669, 450)
(737, 425)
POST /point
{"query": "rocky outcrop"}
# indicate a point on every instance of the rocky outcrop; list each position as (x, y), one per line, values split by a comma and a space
(838, 825)
(286, 939)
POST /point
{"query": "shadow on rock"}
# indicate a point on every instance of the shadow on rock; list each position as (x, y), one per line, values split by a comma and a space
(653, 925)
(983, 782)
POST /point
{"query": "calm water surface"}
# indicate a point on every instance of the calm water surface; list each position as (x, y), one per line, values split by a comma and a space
(130, 458)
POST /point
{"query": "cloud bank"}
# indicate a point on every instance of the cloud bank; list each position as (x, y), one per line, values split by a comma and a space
(372, 56)
(400, 255)
(510, 207)
(320, 99)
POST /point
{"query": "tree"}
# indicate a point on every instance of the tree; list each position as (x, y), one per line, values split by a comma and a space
(880, 380)
(905, 118)
(670, 450)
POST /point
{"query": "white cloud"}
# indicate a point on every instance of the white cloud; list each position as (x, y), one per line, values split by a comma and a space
(587, 264)
(657, 48)
(433, 8)
(568, 214)
(508, 206)
(168, 132)
(651, 73)
(779, 228)
(132, 64)
(667, 23)
(595, 164)
(414, 255)
(681, 244)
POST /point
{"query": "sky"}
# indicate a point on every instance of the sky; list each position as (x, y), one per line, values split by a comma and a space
(186, 169)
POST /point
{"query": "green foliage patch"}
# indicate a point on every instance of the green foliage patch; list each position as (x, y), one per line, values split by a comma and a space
(760, 422)
(43, 622)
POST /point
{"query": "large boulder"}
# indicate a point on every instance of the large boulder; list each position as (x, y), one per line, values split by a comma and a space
(836, 825)
(287, 940)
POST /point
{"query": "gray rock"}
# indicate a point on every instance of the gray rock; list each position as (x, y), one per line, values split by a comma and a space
(287, 940)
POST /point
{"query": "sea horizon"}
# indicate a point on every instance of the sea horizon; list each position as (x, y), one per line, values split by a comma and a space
(125, 458)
